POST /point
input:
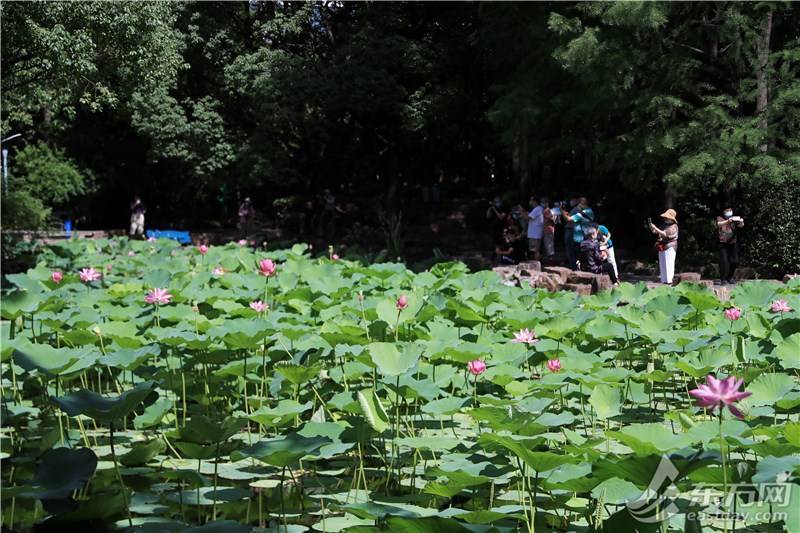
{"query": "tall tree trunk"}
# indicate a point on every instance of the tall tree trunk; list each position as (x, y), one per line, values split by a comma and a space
(762, 47)
(669, 196)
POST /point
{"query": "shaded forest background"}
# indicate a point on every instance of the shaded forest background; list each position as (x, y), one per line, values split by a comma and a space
(637, 105)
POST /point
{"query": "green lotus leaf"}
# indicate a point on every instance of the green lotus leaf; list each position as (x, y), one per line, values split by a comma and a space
(606, 400)
(788, 351)
(757, 294)
(699, 297)
(650, 439)
(282, 451)
(298, 374)
(616, 491)
(770, 469)
(43, 357)
(281, 414)
(377, 510)
(768, 389)
(390, 360)
(539, 461)
(104, 408)
(200, 429)
(142, 453)
(20, 302)
(372, 408)
(130, 358)
(59, 472)
(445, 406)
(153, 414)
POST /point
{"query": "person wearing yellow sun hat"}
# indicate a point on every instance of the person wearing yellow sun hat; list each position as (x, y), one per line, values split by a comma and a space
(666, 243)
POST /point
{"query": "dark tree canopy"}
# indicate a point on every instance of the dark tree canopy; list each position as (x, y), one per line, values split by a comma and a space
(632, 103)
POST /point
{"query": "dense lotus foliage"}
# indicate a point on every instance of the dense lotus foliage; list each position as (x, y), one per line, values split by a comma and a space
(162, 387)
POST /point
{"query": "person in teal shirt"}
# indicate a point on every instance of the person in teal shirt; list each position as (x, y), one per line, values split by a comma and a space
(581, 216)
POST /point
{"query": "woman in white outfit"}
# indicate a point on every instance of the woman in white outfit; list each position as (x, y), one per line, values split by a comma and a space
(666, 244)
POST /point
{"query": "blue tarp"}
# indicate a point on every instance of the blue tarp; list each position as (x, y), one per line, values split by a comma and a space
(182, 237)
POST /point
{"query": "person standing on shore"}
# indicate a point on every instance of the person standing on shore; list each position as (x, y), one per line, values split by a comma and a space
(138, 209)
(569, 227)
(594, 258)
(549, 233)
(727, 224)
(246, 212)
(581, 217)
(666, 244)
(607, 246)
(535, 228)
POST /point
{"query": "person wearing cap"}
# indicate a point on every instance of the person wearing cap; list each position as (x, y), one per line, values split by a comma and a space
(666, 244)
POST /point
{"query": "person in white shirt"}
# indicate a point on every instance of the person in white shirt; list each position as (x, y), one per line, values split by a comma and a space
(535, 228)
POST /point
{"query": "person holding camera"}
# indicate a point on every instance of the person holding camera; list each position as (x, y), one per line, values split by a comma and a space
(594, 258)
(727, 224)
(496, 216)
(666, 244)
(580, 216)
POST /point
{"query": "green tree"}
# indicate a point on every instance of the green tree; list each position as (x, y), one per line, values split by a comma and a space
(42, 179)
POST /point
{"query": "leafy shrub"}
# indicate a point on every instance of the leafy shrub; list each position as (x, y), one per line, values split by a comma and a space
(773, 247)
(41, 178)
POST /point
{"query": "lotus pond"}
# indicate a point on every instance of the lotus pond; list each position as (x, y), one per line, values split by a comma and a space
(323, 394)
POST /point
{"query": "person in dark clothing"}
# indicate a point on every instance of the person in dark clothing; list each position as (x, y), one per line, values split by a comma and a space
(569, 229)
(246, 213)
(510, 247)
(593, 259)
(727, 224)
(496, 216)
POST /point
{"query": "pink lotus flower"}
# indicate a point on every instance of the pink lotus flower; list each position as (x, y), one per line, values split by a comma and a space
(258, 306)
(203, 249)
(476, 367)
(335, 257)
(131, 253)
(88, 275)
(554, 365)
(242, 242)
(219, 271)
(780, 306)
(733, 313)
(719, 393)
(267, 267)
(526, 336)
(158, 296)
(56, 276)
(402, 302)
